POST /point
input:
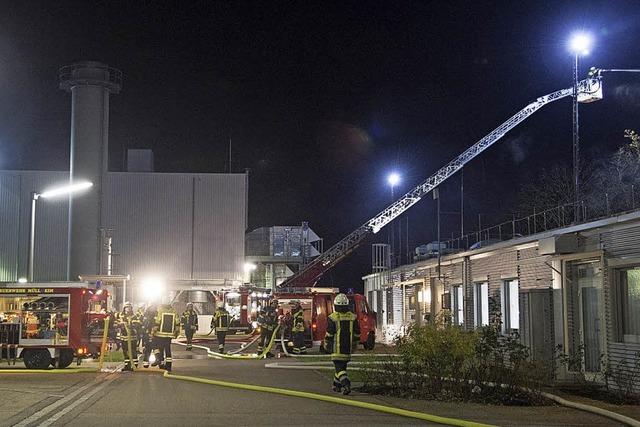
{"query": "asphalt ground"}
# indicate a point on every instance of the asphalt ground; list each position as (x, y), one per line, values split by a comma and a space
(146, 397)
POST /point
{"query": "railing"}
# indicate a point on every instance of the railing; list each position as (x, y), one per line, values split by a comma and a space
(557, 217)
(94, 72)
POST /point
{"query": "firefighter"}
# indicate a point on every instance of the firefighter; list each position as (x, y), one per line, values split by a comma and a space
(220, 321)
(127, 332)
(343, 332)
(142, 307)
(297, 328)
(166, 326)
(189, 324)
(148, 323)
(268, 319)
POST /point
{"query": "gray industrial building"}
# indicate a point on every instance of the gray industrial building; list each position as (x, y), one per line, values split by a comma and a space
(184, 228)
(275, 253)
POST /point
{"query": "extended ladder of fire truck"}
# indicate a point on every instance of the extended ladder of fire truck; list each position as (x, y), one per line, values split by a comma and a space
(589, 90)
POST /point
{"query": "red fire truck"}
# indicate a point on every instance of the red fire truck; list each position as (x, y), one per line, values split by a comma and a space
(49, 324)
(317, 304)
(245, 303)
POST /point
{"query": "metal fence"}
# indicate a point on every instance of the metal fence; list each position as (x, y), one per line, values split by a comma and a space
(557, 217)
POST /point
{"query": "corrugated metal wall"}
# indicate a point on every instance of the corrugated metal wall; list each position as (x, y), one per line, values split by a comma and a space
(178, 226)
(50, 259)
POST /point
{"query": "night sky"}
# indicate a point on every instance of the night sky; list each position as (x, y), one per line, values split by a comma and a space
(322, 100)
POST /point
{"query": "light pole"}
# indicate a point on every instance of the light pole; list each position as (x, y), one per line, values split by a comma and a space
(580, 44)
(60, 191)
(393, 179)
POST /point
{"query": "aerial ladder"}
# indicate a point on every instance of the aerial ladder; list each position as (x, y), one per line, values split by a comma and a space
(589, 90)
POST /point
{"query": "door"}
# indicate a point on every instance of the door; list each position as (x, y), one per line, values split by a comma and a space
(591, 329)
(585, 310)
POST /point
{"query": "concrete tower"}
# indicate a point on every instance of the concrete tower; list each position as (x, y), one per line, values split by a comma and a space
(90, 84)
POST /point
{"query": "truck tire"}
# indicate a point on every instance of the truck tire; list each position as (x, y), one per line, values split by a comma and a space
(371, 341)
(65, 359)
(38, 358)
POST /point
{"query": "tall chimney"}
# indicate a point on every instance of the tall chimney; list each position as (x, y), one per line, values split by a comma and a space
(90, 84)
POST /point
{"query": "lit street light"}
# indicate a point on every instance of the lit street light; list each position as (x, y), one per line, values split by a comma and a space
(393, 179)
(579, 44)
(60, 191)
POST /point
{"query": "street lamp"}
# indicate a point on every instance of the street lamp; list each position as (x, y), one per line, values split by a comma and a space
(393, 179)
(59, 191)
(579, 44)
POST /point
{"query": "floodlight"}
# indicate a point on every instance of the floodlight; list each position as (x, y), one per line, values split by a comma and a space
(580, 43)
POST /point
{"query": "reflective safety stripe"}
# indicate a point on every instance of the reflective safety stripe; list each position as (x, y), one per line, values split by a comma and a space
(341, 374)
(168, 359)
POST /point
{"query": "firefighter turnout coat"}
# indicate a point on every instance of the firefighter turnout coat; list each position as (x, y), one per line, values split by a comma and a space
(166, 323)
(190, 321)
(221, 320)
(343, 332)
(298, 321)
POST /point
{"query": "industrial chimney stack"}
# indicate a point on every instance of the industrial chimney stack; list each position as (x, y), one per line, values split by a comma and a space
(90, 84)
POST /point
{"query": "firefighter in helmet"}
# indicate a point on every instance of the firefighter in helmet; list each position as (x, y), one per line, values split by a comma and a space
(221, 320)
(298, 328)
(140, 317)
(189, 324)
(343, 332)
(148, 322)
(127, 332)
(166, 326)
(268, 320)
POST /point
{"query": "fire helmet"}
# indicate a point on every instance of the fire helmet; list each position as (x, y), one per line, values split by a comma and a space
(341, 299)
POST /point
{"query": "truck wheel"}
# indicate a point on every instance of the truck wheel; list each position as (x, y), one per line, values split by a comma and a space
(36, 358)
(66, 358)
(371, 341)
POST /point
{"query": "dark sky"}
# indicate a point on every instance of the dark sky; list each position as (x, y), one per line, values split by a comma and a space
(322, 101)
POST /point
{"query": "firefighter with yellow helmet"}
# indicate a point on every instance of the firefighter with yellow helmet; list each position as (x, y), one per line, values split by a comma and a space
(189, 324)
(298, 327)
(343, 333)
(221, 320)
(127, 332)
(166, 326)
(268, 321)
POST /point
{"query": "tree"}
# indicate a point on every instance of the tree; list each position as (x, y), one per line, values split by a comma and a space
(606, 186)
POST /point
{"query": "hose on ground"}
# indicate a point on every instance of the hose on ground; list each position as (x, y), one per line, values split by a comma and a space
(331, 399)
(575, 405)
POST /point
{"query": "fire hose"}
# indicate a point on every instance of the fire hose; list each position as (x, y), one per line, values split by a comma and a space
(236, 355)
(331, 399)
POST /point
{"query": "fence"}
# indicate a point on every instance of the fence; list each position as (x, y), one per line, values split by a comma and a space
(557, 217)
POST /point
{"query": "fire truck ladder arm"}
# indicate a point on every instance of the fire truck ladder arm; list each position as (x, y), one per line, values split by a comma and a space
(314, 270)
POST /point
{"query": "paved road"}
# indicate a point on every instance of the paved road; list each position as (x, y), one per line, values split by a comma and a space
(147, 398)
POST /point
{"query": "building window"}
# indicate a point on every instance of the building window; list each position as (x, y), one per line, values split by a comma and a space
(628, 298)
(510, 308)
(481, 304)
(457, 305)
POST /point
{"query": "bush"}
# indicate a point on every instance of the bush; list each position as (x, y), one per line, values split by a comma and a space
(449, 363)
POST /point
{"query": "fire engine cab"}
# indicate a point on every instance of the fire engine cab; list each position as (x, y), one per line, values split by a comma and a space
(49, 325)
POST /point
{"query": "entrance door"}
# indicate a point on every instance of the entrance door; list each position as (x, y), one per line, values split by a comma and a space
(585, 309)
(591, 329)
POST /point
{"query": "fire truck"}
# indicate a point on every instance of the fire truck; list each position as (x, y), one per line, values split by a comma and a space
(50, 325)
(245, 303)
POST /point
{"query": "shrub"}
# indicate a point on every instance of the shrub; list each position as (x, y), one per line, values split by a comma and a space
(449, 363)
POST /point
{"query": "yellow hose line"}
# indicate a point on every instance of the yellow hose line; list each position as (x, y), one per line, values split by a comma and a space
(332, 399)
(262, 355)
(48, 371)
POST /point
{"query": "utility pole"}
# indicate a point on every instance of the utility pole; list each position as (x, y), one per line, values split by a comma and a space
(436, 196)
(461, 202)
